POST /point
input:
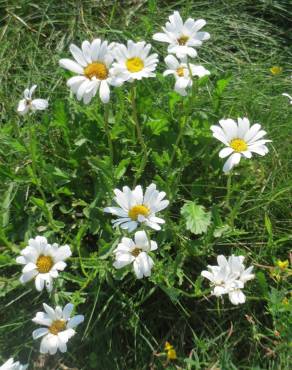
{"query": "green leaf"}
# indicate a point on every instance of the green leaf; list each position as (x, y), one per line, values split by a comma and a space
(122, 168)
(222, 84)
(157, 126)
(264, 287)
(197, 219)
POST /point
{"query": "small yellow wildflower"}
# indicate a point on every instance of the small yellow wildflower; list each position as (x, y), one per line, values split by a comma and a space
(276, 70)
(285, 301)
(170, 351)
(171, 354)
(282, 264)
(167, 346)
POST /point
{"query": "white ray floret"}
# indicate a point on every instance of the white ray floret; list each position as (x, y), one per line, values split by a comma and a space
(11, 365)
(92, 65)
(288, 96)
(42, 262)
(183, 73)
(28, 104)
(135, 252)
(241, 140)
(133, 61)
(183, 37)
(229, 277)
(57, 328)
(137, 208)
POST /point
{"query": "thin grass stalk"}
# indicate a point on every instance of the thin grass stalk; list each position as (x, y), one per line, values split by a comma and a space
(139, 134)
(31, 150)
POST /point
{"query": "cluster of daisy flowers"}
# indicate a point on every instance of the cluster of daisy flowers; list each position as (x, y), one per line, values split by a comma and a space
(98, 66)
(183, 38)
(42, 263)
(136, 209)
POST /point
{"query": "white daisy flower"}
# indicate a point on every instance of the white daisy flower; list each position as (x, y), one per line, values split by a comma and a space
(93, 68)
(241, 140)
(28, 104)
(181, 71)
(42, 262)
(288, 96)
(229, 277)
(133, 61)
(11, 365)
(58, 328)
(183, 37)
(135, 208)
(136, 252)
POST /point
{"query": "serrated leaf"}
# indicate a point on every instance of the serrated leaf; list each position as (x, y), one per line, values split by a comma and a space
(197, 219)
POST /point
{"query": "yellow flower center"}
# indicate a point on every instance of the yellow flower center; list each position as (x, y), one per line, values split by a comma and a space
(180, 71)
(136, 251)
(44, 264)
(96, 69)
(135, 64)
(239, 145)
(140, 209)
(182, 40)
(57, 326)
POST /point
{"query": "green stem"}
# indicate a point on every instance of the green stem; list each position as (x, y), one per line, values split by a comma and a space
(179, 137)
(106, 125)
(228, 191)
(148, 237)
(218, 307)
(139, 134)
(35, 173)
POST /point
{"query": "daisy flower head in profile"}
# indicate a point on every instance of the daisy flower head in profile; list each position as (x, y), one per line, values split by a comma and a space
(241, 140)
(183, 73)
(229, 277)
(135, 252)
(57, 328)
(28, 104)
(183, 37)
(136, 208)
(133, 61)
(11, 365)
(42, 262)
(92, 65)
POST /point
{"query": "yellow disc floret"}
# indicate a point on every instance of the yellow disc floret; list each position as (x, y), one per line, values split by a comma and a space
(136, 251)
(96, 69)
(57, 326)
(44, 264)
(238, 145)
(135, 64)
(180, 71)
(135, 211)
(182, 40)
